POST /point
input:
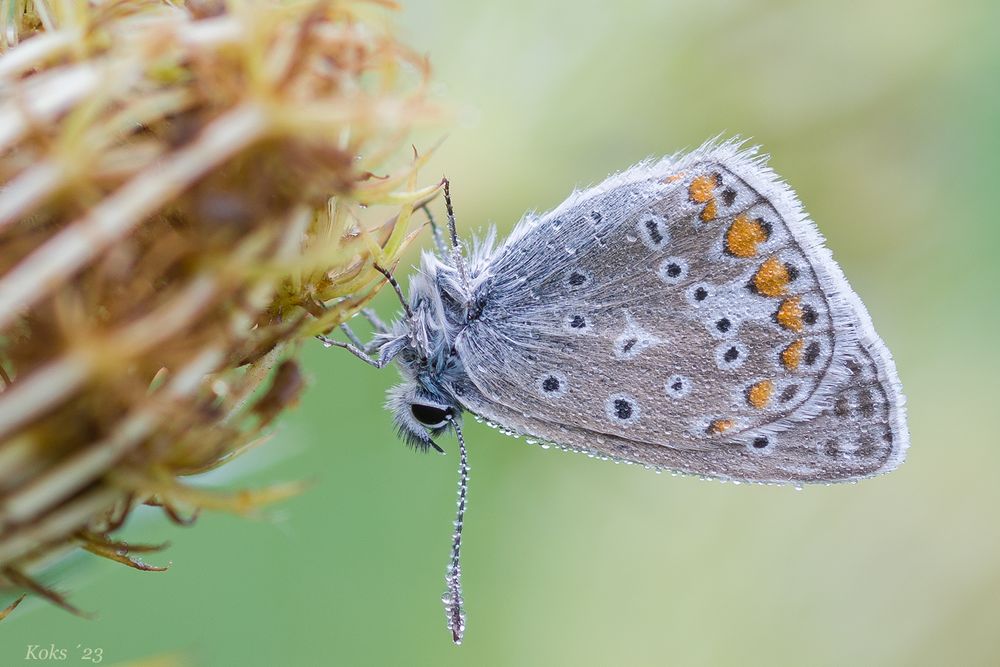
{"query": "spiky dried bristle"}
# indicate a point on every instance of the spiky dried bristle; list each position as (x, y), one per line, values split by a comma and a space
(185, 196)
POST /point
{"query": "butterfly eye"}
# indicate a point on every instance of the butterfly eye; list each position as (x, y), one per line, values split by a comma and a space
(430, 415)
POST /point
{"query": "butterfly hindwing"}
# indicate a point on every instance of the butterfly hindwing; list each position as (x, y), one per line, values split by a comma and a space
(684, 314)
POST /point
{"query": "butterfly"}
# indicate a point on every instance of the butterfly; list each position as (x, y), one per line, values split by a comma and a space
(684, 314)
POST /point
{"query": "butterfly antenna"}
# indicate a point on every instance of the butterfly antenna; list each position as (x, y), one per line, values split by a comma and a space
(456, 248)
(453, 578)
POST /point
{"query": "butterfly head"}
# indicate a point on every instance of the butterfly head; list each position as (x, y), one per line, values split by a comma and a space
(421, 413)
(424, 405)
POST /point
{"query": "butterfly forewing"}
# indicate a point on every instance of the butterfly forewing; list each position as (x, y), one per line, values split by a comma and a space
(684, 314)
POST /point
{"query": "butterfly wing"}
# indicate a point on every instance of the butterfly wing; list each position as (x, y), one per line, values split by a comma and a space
(684, 314)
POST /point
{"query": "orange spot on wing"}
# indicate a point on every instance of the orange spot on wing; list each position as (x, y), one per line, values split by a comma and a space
(744, 235)
(791, 356)
(759, 394)
(719, 426)
(709, 212)
(789, 314)
(771, 278)
(673, 178)
(701, 189)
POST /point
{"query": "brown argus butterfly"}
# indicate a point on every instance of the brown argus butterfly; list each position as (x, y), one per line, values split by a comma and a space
(683, 314)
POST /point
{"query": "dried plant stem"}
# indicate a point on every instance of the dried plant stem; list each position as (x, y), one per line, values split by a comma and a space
(59, 258)
(26, 539)
(47, 98)
(27, 399)
(36, 51)
(74, 473)
(12, 606)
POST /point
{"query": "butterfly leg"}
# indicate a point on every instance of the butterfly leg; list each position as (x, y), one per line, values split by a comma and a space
(435, 231)
(374, 320)
(395, 286)
(364, 350)
(353, 337)
(368, 348)
(361, 352)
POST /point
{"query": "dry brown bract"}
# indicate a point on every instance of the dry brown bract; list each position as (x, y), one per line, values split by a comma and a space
(185, 196)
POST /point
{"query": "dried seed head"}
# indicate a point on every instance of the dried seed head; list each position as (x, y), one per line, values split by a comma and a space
(187, 192)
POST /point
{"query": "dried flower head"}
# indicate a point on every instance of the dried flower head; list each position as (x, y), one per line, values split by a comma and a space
(186, 194)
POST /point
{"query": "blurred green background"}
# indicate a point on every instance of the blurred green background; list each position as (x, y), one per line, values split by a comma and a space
(885, 117)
